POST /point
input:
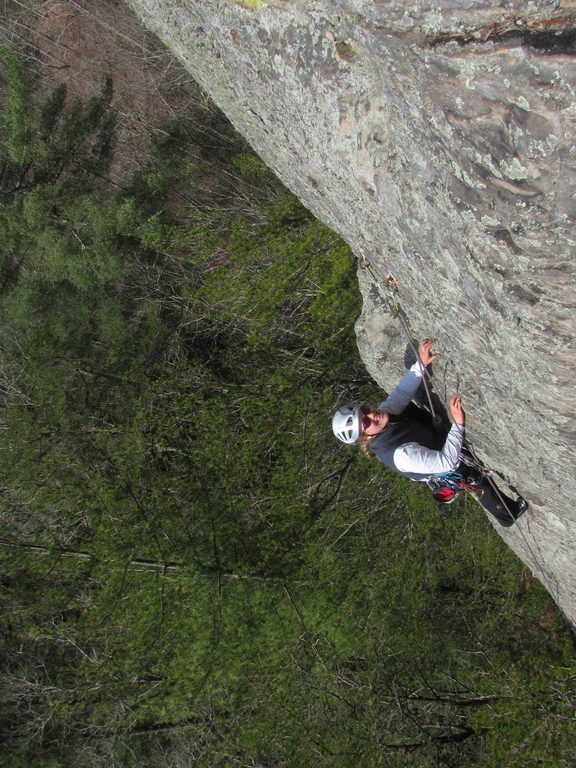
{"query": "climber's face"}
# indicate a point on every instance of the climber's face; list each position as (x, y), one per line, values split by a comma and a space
(372, 421)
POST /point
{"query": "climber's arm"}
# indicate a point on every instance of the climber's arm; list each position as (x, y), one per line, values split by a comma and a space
(399, 398)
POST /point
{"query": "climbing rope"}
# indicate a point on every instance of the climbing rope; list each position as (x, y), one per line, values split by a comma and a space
(390, 298)
(392, 302)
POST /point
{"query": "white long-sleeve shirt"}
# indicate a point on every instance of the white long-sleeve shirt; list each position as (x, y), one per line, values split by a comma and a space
(414, 458)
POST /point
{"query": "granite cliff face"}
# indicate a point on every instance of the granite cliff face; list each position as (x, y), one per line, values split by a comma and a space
(439, 140)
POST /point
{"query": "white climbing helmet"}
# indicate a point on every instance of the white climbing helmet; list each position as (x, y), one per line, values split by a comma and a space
(346, 423)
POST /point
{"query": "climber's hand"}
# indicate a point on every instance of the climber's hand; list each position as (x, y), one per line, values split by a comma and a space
(456, 410)
(425, 352)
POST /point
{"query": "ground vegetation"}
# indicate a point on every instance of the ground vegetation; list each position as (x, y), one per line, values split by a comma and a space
(194, 572)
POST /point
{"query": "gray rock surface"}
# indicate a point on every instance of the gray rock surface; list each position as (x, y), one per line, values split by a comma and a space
(438, 140)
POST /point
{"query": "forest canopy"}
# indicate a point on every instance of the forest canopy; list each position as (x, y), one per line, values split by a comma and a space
(194, 572)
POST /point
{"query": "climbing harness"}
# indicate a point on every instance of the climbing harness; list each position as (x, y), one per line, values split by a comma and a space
(447, 487)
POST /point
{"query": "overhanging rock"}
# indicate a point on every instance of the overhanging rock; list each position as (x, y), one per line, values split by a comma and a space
(438, 140)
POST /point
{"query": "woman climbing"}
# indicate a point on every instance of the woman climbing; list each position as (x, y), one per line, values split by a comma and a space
(400, 435)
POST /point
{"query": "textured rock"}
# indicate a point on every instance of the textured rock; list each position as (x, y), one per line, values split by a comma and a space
(438, 140)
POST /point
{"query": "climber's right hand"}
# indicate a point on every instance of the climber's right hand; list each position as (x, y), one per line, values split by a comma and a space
(456, 410)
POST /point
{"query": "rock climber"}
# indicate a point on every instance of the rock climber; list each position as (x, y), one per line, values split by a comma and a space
(400, 435)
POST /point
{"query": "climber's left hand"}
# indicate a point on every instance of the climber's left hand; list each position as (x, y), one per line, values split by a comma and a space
(425, 352)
